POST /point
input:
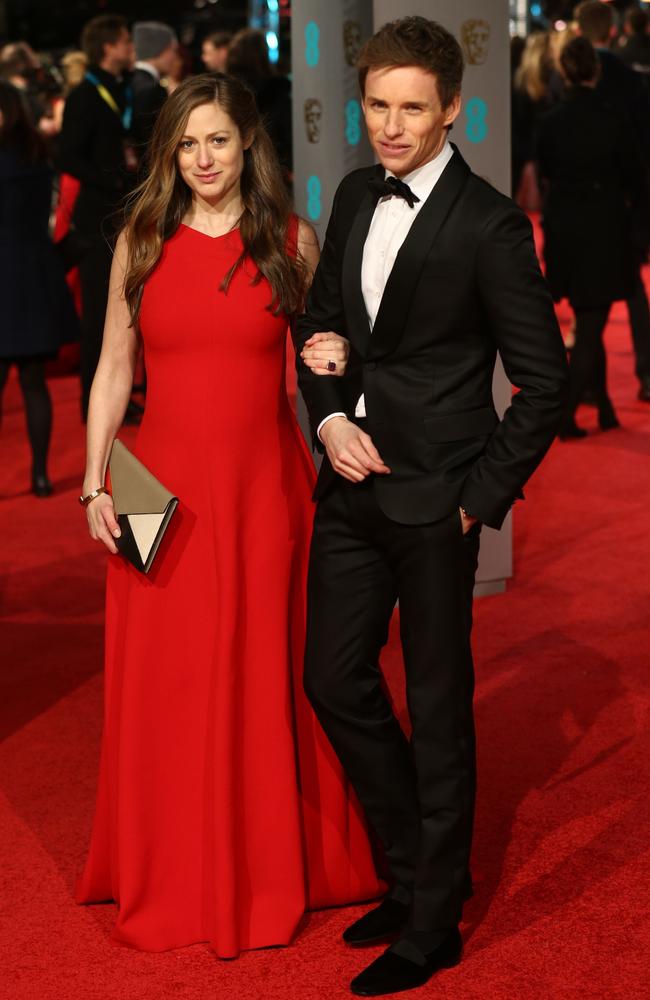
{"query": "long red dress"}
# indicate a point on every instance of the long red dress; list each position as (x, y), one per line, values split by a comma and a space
(222, 811)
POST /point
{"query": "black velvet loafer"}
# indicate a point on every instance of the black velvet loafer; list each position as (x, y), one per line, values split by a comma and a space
(380, 924)
(394, 973)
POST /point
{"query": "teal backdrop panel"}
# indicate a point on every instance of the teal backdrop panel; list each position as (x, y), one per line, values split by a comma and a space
(329, 138)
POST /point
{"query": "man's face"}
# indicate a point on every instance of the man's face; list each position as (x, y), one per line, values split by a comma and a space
(121, 52)
(405, 119)
(167, 59)
(214, 60)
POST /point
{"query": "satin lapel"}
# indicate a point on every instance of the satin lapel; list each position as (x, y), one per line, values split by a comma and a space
(400, 287)
(355, 308)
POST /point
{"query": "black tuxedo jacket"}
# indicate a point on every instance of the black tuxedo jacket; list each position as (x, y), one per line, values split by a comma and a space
(148, 98)
(91, 148)
(466, 283)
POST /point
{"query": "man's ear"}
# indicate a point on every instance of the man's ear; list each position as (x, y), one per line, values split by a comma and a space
(452, 111)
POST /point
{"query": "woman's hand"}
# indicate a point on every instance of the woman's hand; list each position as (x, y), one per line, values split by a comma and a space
(102, 523)
(326, 353)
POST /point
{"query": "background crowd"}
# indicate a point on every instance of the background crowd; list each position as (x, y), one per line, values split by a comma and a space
(73, 144)
(581, 153)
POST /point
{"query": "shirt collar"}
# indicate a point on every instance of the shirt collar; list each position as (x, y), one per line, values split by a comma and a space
(423, 179)
(108, 79)
(148, 68)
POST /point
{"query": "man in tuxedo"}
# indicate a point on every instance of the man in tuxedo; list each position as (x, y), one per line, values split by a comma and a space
(155, 50)
(95, 146)
(428, 271)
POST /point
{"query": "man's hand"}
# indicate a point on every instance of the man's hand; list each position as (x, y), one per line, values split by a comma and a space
(351, 451)
(466, 520)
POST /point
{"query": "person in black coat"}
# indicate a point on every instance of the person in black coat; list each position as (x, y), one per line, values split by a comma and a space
(428, 271)
(593, 174)
(626, 93)
(248, 59)
(96, 147)
(37, 309)
(155, 51)
(635, 52)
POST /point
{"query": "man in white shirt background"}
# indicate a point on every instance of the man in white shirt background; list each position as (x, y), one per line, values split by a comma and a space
(428, 271)
(155, 48)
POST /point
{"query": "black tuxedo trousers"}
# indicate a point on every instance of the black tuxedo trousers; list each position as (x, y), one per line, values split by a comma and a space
(418, 794)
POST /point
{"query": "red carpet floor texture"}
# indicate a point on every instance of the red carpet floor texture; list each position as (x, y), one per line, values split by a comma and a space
(561, 861)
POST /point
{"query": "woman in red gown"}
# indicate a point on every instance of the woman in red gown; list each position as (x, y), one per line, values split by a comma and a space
(222, 812)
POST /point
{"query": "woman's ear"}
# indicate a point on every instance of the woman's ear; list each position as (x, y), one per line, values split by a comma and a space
(249, 140)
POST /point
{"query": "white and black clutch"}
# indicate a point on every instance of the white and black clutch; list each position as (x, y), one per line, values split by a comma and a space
(143, 507)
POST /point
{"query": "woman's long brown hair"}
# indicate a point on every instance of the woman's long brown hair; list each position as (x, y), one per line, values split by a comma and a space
(159, 204)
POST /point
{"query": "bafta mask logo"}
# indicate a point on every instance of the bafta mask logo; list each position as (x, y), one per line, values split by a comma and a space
(313, 115)
(351, 41)
(475, 35)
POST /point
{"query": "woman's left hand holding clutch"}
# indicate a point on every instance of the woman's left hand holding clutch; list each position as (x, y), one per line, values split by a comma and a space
(326, 353)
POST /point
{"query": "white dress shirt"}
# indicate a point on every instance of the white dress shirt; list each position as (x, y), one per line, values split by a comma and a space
(389, 228)
(148, 68)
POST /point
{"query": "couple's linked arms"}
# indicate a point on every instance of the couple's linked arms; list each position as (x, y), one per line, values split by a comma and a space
(323, 348)
(350, 450)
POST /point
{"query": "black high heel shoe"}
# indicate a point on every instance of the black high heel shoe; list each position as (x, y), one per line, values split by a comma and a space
(41, 486)
(569, 431)
(607, 419)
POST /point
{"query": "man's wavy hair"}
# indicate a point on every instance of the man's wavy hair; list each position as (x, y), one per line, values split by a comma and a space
(158, 206)
(415, 41)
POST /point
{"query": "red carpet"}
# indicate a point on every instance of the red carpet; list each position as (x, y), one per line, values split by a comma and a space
(563, 704)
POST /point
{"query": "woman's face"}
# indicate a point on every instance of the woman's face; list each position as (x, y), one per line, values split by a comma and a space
(211, 153)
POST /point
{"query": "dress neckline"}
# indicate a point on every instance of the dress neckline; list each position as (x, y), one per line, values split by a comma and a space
(207, 235)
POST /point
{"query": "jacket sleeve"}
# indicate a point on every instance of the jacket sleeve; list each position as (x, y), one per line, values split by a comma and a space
(523, 324)
(323, 311)
(147, 106)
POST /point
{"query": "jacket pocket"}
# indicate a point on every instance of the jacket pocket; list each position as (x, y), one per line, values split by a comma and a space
(458, 426)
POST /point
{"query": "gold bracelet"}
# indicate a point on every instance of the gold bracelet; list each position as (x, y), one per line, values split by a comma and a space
(84, 501)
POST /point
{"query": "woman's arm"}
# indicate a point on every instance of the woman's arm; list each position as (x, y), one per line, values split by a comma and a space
(321, 349)
(109, 397)
(308, 248)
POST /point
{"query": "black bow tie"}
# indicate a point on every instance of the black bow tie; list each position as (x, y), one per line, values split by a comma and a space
(392, 186)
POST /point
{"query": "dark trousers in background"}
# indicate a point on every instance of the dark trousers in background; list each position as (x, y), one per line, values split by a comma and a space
(38, 407)
(94, 276)
(639, 313)
(418, 795)
(588, 367)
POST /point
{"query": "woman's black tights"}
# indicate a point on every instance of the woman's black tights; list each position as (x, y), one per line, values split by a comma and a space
(38, 407)
(588, 368)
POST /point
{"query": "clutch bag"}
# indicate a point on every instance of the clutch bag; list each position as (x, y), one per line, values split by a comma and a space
(143, 507)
